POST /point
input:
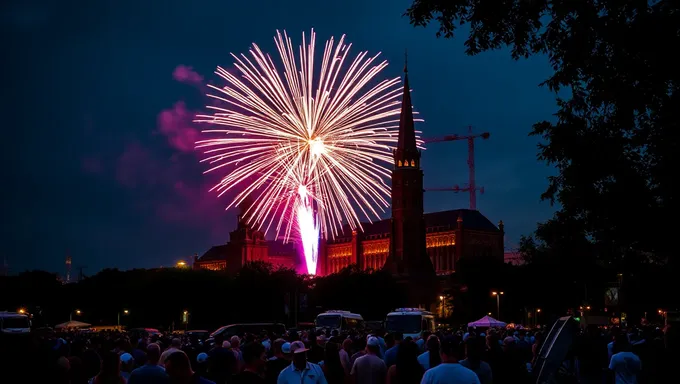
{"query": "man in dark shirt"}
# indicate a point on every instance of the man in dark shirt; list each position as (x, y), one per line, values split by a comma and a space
(280, 360)
(221, 362)
(254, 360)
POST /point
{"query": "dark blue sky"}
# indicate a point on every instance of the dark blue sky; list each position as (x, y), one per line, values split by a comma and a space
(91, 164)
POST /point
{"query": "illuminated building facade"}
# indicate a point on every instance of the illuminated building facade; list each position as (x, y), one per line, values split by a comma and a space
(247, 245)
(450, 236)
(410, 244)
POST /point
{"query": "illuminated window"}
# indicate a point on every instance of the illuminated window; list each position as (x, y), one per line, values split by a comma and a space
(405, 163)
(413, 163)
(399, 163)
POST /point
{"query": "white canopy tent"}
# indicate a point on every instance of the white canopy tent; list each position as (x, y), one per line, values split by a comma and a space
(486, 322)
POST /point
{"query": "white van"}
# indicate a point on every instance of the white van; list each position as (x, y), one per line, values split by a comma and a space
(14, 323)
(339, 320)
(411, 322)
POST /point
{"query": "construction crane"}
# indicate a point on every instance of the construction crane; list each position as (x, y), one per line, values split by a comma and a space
(472, 187)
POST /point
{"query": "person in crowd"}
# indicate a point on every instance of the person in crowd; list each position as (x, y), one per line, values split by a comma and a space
(316, 350)
(201, 366)
(430, 358)
(406, 370)
(369, 368)
(449, 371)
(332, 367)
(344, 353)
(624, 365)
(110, 370)
(474, 348)
(175, 345)
(266, 341)
(391, 354)
(127, 364)
(301, 371)
(360, 345)
(222, 362)
(509, 367)
(178, 368)
(254, 361)
(422, 341)
(279, 361)
(76, 372)
(151, 372)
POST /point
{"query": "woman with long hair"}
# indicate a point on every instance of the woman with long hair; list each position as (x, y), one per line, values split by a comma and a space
(406, 370)
(430, 358)
(110, 370)
(332, 367)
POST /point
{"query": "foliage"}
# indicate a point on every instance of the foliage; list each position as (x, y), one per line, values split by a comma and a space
(158, 297)
(612, 142)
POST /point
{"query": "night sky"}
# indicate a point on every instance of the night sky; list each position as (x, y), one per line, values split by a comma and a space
(98, 99)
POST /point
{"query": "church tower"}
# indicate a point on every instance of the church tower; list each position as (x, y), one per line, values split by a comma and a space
(408, 258)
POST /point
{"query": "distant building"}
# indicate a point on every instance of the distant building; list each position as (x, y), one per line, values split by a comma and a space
(513, 257)
(411, 244)
(247, 245)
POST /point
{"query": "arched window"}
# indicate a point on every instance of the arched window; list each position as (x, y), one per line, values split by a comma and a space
(399, 163)
(405, 163)
(413, 163)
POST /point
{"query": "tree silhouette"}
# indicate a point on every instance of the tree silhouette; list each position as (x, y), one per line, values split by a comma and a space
(614, 136)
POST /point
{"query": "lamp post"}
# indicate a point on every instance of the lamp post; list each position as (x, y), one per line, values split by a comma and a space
(441, 306)
(538, 312)
(70, 315)
(498, 302)
(125, 312)
(185, 319)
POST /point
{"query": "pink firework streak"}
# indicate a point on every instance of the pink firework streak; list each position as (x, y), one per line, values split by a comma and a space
(306, 144)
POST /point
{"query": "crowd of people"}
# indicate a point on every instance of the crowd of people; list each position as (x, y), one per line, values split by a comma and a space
(446, 357)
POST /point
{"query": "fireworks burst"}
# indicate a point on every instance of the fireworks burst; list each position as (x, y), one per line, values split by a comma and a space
(307, 144)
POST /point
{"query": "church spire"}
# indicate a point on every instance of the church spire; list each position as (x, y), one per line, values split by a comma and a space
(407, 150)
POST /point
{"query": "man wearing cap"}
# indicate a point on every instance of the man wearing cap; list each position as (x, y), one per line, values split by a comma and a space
(369, 368)
(301, 371)
(449, 371)
(127, 364)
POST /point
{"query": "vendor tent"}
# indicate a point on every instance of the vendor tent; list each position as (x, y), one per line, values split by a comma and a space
(485, 322)
(72, 324)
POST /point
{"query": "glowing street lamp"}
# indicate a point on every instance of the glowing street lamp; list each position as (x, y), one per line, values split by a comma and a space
(125, 312)
(70, 315)
(498, 302)
(21, 311)
(181, 264)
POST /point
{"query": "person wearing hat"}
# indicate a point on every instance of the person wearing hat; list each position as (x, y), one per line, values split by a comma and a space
(127, 364)
(449, 371)
(300, 371)
(369, 368)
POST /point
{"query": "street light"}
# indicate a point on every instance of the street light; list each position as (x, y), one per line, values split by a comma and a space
(21, 311)
(125, 312)
(498, 302)
(181, 264)
(70, 315)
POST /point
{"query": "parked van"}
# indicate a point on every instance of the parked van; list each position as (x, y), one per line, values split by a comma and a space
(339, 320)
(410, 322)
(14, 323)
(228, 331)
